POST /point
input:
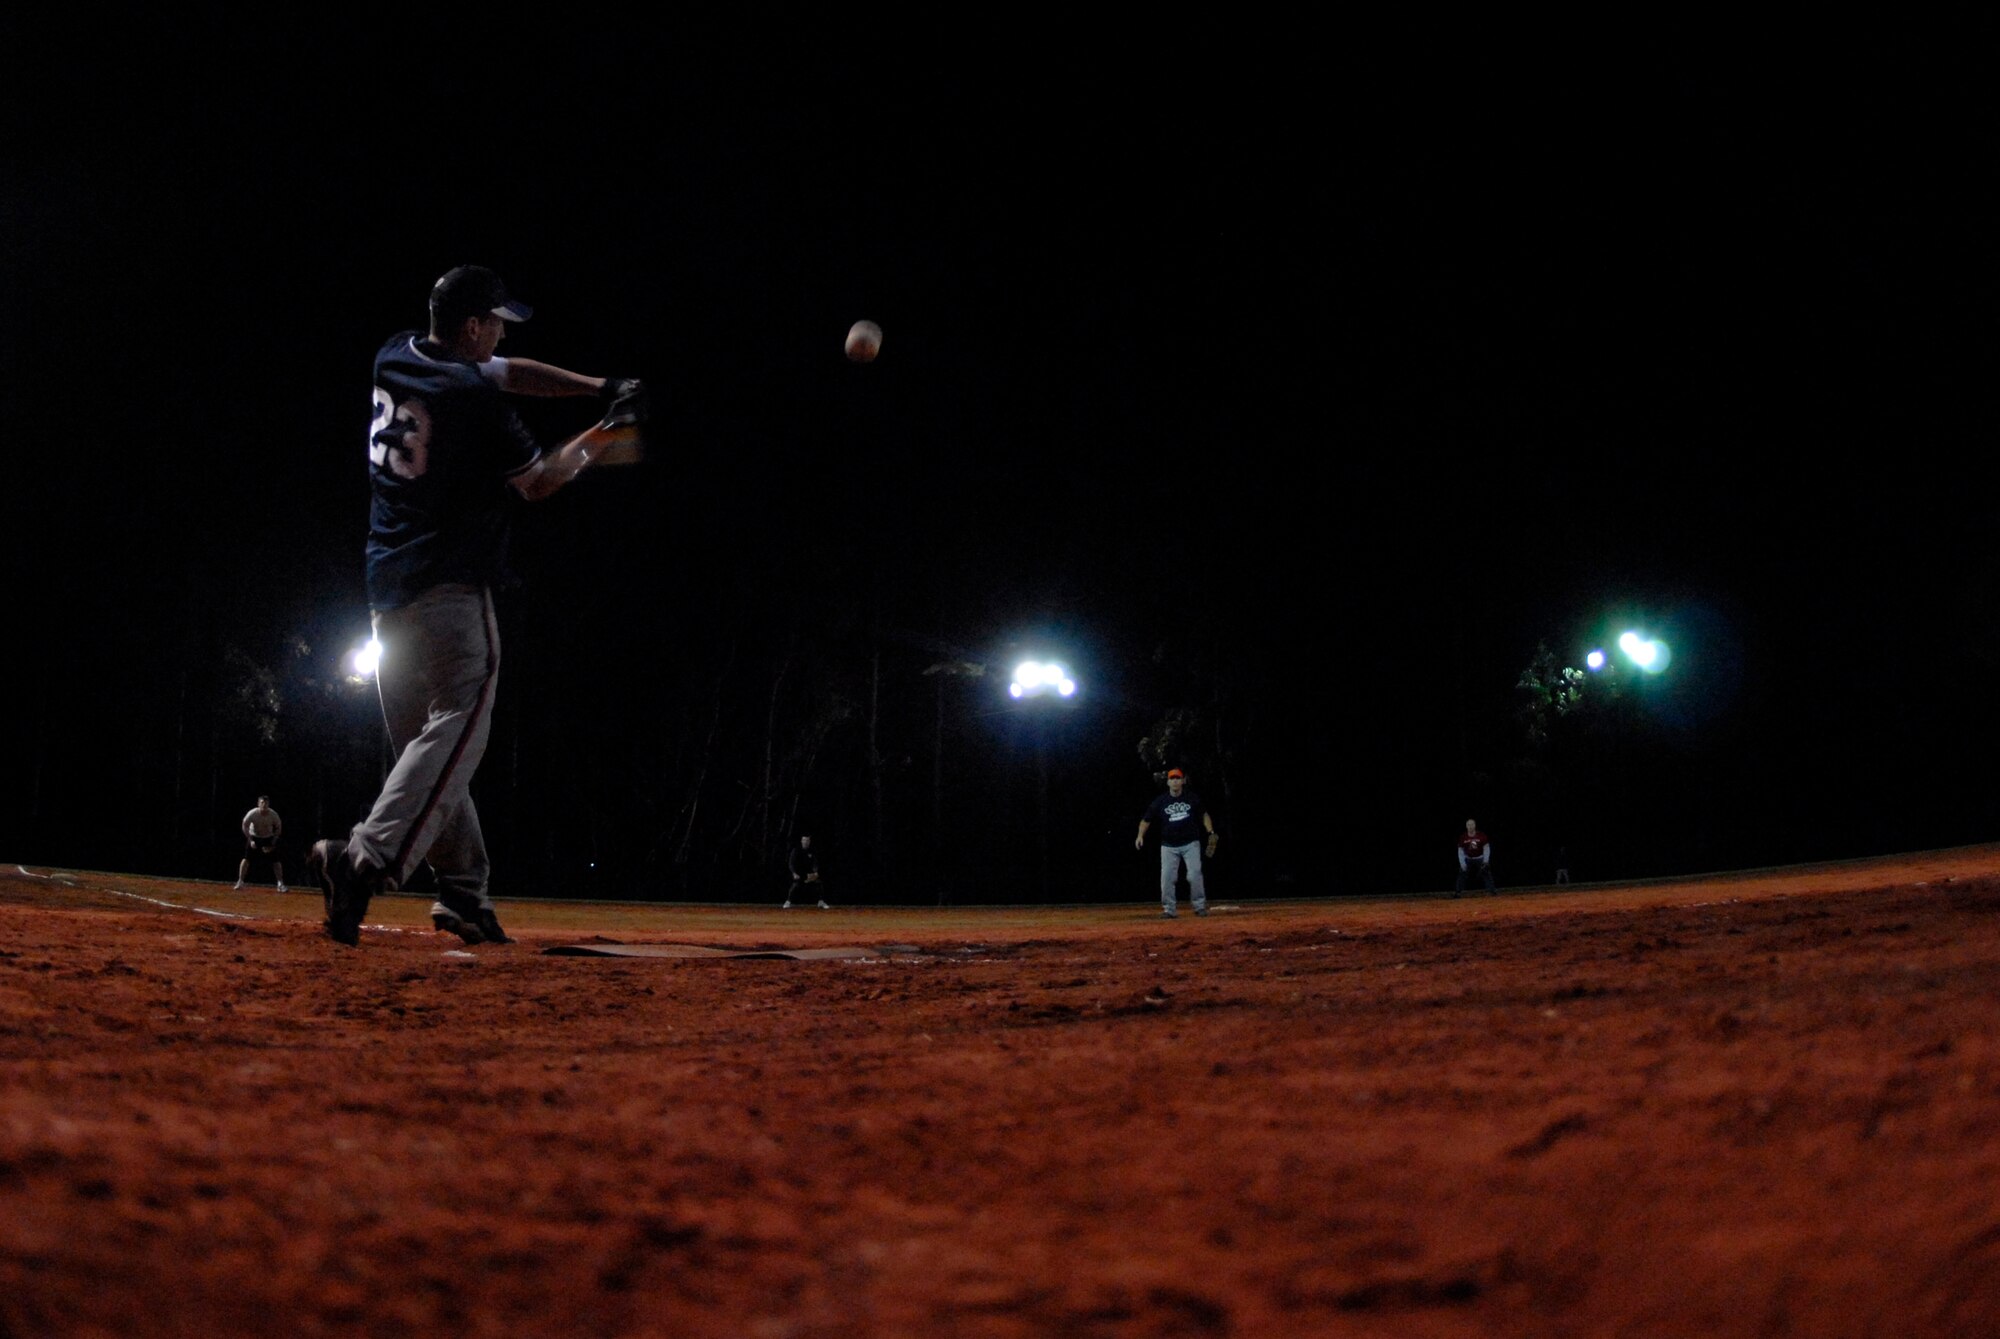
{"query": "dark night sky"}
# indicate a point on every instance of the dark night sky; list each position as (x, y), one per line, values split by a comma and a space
(1356, 377)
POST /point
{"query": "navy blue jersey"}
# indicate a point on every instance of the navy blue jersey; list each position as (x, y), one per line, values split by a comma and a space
(441, 448)
(1179, 820)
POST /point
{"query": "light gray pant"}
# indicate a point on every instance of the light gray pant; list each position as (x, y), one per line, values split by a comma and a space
(1171, 860)
(440, 665)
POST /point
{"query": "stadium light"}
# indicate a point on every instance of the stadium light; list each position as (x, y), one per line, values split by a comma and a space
(363, 661)
(1035, 678)
(1649, 653)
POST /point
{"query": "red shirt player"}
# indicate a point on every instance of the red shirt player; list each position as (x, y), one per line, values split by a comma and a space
(1475, 848)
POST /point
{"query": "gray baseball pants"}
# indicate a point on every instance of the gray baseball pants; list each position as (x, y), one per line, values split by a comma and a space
(440, 665)
(1171, 860)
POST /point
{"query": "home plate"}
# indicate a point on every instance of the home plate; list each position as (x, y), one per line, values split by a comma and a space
(703, 951)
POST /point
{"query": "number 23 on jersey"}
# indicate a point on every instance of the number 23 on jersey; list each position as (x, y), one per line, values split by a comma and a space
(399, 436)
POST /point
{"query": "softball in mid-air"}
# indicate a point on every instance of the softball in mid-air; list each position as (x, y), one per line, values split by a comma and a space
(864, 341)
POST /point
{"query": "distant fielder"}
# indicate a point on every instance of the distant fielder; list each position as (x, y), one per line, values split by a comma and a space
(1182, 819)
(805, 875)
(448, 462)
(261, 829)
(1474, 848)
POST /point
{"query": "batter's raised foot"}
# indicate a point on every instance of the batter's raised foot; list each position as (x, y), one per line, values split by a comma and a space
(347, 890)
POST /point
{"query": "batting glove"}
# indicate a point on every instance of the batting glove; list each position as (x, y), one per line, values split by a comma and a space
(626, 400)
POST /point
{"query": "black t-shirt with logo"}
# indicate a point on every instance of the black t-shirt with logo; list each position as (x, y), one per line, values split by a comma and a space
(1179, 820)
(441, 448)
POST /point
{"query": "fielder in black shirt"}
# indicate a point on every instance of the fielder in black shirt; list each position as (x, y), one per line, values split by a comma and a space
(805, 873)
(1182, 819)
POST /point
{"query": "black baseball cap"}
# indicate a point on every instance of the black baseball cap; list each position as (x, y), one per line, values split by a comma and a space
(474, 290)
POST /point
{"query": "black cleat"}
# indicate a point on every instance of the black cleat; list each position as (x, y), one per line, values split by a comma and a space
(475, 925)
(347, 891)
(449, 921)
(489, 925)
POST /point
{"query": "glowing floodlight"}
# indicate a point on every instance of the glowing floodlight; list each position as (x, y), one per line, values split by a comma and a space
(1033, 678)
(1648, 653)
(365, 660)
(1594, 661)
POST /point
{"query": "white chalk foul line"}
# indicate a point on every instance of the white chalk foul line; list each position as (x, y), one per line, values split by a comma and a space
(228, 915)
(173, 906)
(178, 906)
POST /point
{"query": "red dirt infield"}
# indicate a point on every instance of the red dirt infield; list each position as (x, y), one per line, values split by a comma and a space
(1761, 1104)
